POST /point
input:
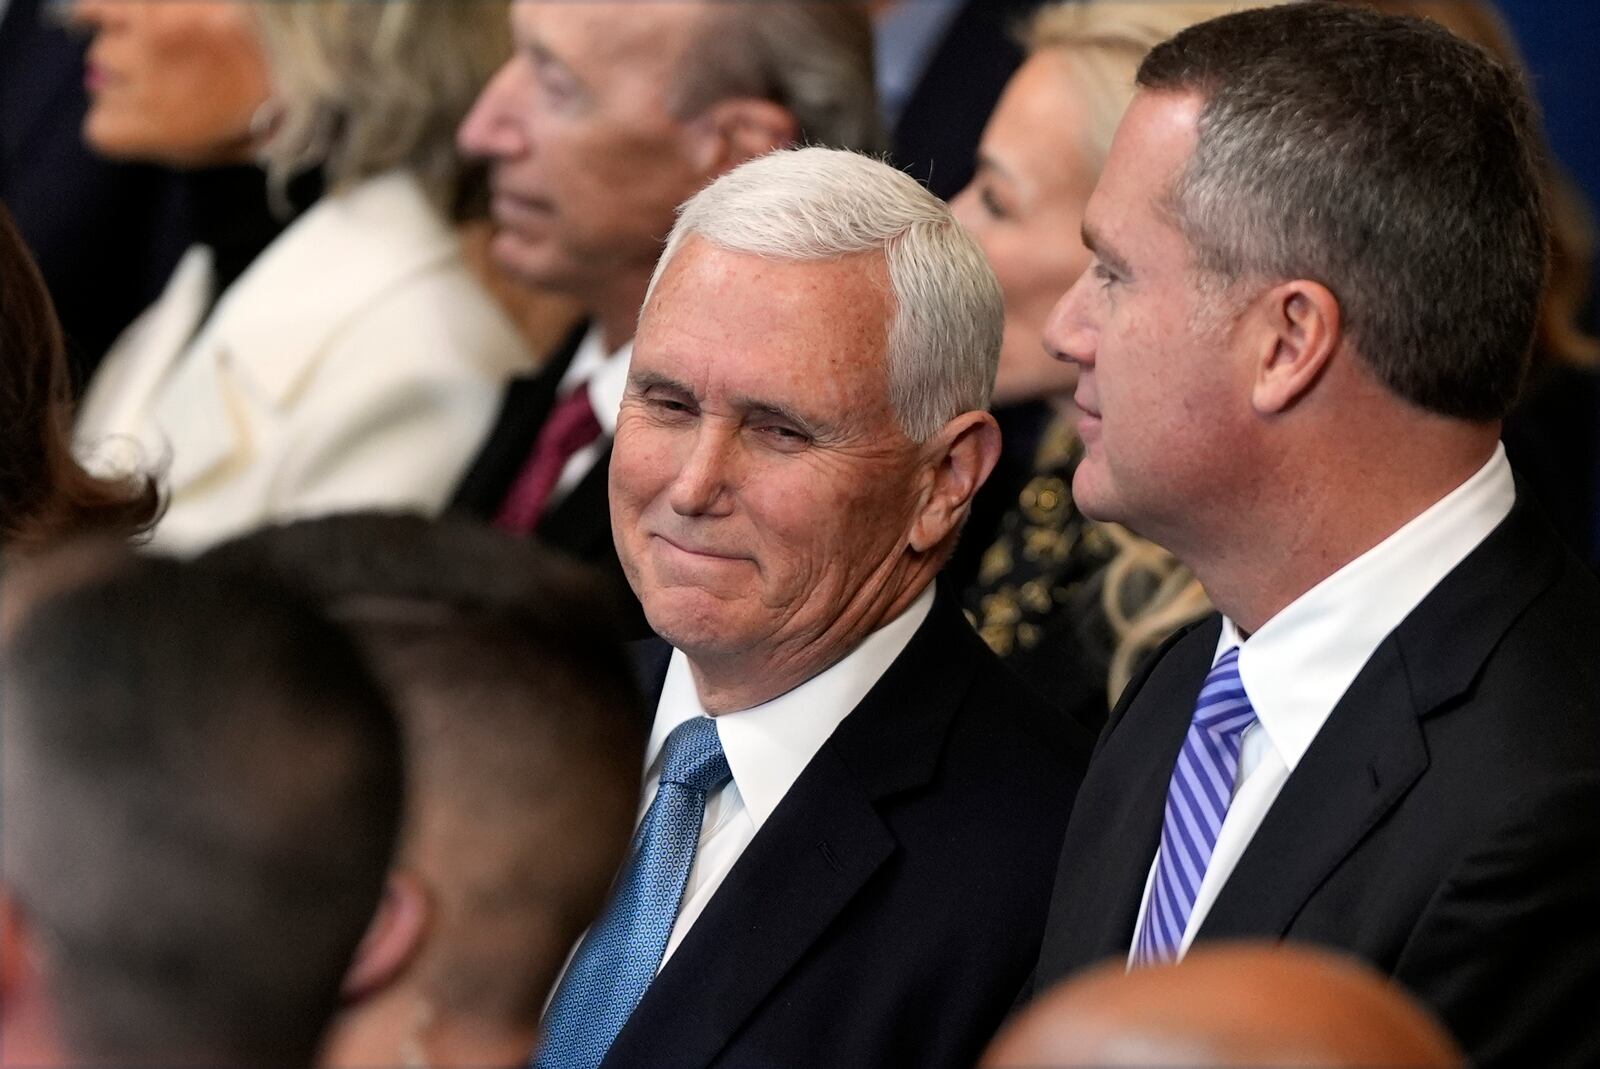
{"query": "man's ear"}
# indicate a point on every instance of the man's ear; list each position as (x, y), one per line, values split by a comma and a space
(742, 128)
(393, 938)
(967, 450)
(1300, 328)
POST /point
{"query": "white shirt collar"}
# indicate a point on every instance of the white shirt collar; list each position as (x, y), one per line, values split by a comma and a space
(1298, 665)
(607, 376)
(769, 745)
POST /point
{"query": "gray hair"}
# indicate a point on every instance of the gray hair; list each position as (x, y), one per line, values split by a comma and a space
(367, 87)
(814, 204)
(1385, 158)
(814, 57)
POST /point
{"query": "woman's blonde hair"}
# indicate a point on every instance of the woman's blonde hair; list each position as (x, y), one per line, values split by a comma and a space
(366, 87)
(1147, 593)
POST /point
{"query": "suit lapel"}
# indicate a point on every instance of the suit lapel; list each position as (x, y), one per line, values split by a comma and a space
(1116, 821)
(1371, 750)
(820, 847)
(1360, 765)
(581, 521)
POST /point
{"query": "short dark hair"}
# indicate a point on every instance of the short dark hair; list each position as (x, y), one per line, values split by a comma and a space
(524, 727)
(1385, 158)
(202, 786)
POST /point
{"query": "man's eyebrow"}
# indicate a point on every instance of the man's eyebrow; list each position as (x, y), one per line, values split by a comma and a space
(1096, 243)
(655, 380)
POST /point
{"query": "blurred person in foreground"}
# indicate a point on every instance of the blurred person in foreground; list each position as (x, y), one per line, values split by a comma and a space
(609, 116)
(848, 856)
(1069, 604)
(1242, 1005)
(45, 495)
(201, 789)
(524, 741)
(1310, 307)
(324, 345)
(1552, 434)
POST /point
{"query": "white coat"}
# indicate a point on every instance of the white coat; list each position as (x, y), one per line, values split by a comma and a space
(355, 364)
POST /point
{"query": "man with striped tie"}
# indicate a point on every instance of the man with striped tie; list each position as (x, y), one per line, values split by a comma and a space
(1311, 304)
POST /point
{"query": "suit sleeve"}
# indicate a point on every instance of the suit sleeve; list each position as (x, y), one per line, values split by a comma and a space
(1508, 951)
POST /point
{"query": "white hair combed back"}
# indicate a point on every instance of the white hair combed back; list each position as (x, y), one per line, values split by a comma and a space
(815, 204)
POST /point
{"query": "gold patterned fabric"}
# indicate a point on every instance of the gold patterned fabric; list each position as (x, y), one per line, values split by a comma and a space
(1036, 600)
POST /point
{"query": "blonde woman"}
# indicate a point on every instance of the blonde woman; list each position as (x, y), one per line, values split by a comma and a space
(335, 352)
(1072, 605)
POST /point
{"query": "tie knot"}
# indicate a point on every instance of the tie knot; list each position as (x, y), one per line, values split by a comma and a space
(1223, 707)
(693, 756)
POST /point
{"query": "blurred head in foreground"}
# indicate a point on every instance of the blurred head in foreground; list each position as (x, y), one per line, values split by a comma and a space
(201, 788)
(1240, 1005)
(524, 740)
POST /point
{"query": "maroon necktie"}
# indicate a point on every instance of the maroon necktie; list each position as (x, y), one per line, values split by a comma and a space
(571, 426)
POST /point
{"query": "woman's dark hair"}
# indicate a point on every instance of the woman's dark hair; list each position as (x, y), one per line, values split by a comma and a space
(45, 494)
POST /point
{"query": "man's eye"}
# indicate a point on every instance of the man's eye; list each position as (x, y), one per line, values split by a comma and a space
(669, 406)
(784, 436)
(1104, 274)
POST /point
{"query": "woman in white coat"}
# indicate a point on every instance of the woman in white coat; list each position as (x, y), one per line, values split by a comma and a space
(333, 352)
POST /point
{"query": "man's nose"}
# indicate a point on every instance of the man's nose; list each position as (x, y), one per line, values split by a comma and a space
(494, 129)
(702, 484)
(1069, 333)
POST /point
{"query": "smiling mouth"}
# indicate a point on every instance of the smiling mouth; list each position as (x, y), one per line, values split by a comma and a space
(704, 554)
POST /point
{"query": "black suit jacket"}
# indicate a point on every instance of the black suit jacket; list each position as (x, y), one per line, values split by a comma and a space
(580, 523)
(1444, 825)
(106, 235)
(887, 912)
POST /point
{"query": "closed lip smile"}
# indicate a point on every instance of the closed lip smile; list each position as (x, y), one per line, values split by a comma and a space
(693, 552)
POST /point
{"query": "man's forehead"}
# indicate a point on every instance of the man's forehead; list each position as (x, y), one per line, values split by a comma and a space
(596, 32)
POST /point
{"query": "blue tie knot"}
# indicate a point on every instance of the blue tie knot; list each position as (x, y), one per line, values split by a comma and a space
(1223, 708)
(693, 756)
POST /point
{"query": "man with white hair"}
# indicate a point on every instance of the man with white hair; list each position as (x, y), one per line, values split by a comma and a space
(852, 808)
(606, 118)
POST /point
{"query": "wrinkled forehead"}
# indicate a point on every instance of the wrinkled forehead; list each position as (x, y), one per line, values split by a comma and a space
(816, 330)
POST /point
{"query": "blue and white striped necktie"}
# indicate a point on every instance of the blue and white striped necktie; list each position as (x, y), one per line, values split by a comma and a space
(1197, 803)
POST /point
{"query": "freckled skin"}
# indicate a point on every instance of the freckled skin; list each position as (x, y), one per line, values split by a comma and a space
(762, 493)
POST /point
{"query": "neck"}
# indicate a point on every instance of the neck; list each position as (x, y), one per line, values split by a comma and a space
(738, 682)
(616, 310)
(1325, 508)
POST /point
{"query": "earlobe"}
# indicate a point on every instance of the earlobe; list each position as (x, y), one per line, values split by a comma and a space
(969, 449)
(392, 940)
(1301, 330)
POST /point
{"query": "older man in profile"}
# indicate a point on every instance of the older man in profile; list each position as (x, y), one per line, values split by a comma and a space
(852, 806)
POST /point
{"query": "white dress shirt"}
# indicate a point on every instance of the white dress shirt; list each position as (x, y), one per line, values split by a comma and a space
(767, 747)
(607, 377)
(1297, 666)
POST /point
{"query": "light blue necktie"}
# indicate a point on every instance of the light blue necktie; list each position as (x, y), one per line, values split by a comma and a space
(618, 958)
(1197, 802)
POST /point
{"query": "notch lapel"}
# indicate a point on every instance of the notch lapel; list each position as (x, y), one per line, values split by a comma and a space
(1371, 750)
(1116, 821)
(802, 870)
(820, 847)
(1362, 763)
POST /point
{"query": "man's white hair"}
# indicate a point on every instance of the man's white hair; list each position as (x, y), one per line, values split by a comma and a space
(814, 204)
